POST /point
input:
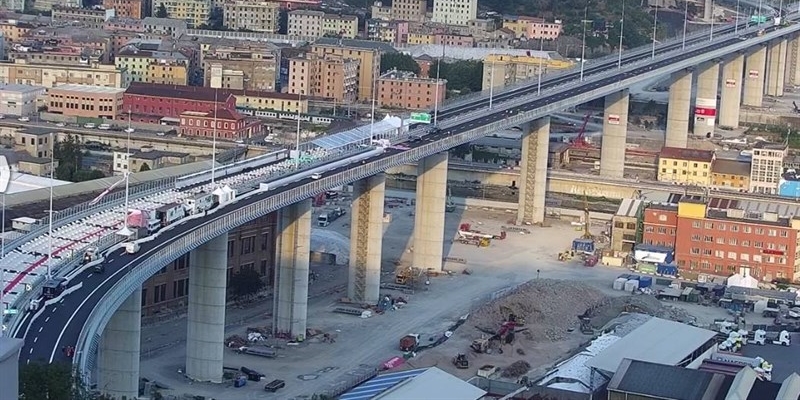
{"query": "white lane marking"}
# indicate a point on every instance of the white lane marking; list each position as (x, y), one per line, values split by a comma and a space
(27, 315)
(47, 319)
(35, 339)
(54, 309)
(40, 329)
(71, 317)
(31, 352)
(89, 276)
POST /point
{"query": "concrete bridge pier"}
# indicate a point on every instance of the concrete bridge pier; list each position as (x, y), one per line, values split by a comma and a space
(208, 273)
(680, 97)
(366, 224)
(705, 108)
(755, 66)
(615, 132)
(291, 281)
(731, 92)
(776, 73)
(118, 355)
(429, 213)
(533, 175)
(793, 62)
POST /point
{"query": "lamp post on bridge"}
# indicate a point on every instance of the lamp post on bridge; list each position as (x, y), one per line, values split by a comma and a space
(655, 30)
(621, 35)
(583, 43)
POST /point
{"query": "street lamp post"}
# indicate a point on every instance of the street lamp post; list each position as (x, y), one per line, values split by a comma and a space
(621, 34)
(736, 27)
(711, 34)
(541, 56)
(685, 22)
(214, 142)
(655, 29)
(297, 134)
(583, 43)
(50, 213)
(491, 84)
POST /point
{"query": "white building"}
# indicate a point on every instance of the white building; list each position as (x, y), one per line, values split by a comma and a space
(305, 23)
(20, 100)
(455, 12)
(120, 162)
(766, 167)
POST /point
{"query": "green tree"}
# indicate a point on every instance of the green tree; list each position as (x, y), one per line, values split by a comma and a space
(246, 282)
(42, 381)
(463, 76)
(215, 20)
(399, 61)
(69, 156)
(87, 175)
(144, 167)
(161, 12)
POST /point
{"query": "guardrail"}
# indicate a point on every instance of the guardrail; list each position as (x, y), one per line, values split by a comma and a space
(224, 219)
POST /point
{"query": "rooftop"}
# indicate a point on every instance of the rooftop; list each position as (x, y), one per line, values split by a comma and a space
(418, 384)
(677, 153)
(664, 381)
(222, 113)
(771, 146)
(266, 94)
(72, 87)
(473, 53)
(409, 76)
(731, 167)
(629, 208)
(307, 12)
(15, 87)
(166, 22)
(156, 154)
(24, 182)
(196, 93)
(657, 340)
(362, 44)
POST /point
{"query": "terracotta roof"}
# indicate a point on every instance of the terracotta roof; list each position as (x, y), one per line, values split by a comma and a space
(677, 153)
(731, 167)
(223, 113)
(196, 93)
(265, 94)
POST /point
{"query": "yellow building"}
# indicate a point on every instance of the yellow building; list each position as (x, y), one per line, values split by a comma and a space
(369, 62)
(730, 175)
(345, 26)
(685, 166)
(421, 38)
(153, 66)
(14, 30)
(167, 72)
(260, 16)
(270, 101)
(500, 70)
(50, 75)
(194, 12)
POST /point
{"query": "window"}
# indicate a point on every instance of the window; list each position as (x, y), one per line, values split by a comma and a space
(159, 293)
(230, 248)
(248, 245)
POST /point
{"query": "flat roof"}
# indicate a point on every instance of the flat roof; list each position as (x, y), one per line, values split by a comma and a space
(24, 182)
(379, 384)
(658, 341)
(73, 87)
(16, 87)
(433, 384)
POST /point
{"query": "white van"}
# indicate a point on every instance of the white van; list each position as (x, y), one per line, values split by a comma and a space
(104, 127)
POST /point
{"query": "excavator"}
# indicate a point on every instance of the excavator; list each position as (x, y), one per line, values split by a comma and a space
(505, 334)
(461, 361)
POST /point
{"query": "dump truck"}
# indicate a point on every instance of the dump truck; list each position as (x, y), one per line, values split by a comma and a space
(409, 342)
(329, 216)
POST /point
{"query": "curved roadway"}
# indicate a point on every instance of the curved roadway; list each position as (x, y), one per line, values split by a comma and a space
(60, 324)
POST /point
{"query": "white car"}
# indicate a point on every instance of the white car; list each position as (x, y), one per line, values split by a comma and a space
(89, 125)
(24, 119)
(316, 176)
(61, 124)
(159, 133)
(129, 130)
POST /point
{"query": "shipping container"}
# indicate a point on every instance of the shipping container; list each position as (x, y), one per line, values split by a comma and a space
(583, 245)
(645, 282)
(667, 270)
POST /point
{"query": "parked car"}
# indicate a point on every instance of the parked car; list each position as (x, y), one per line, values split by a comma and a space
(24, 119)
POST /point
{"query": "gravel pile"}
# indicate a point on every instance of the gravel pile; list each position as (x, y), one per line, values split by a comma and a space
(611, 307)
(550, 307)
(518, 368)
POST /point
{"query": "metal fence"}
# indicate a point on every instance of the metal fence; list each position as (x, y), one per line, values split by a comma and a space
(227, 219)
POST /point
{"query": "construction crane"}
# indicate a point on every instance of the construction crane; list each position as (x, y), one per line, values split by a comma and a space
(580, 140)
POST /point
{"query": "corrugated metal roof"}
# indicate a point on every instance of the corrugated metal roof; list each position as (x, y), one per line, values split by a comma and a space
(359, 134)
(658, 340)
(433, 384)
(380, 384)
(629, 208)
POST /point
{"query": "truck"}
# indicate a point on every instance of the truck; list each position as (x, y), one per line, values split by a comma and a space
(329, 216)
(144, 219)
(199, 203)
(170, 213)
(53, 288)
(131, 247)
(409, 342)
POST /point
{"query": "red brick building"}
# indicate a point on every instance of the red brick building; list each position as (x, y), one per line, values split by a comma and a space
(156, 103)
(720, 242)
(230, 124)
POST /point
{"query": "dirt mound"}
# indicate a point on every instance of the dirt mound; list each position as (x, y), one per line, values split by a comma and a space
(516, 369)
(611, 307)
(550, 308)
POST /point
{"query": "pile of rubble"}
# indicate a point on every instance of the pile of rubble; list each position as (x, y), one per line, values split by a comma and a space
(516, 369)
(611, 307)
(549, 307)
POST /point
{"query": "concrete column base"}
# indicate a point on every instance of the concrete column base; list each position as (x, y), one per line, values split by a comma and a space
(119, 352)
(776, 68)
(680, 96)
(429, 214)
(731, 92)
(705, 108)
(755, 66)
(615, 133)
(291, 281)
(208, 273)
(366, 225)
(533, 175)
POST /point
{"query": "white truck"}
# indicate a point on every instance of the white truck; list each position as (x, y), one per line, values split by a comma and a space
(199, 203)
(329, 216)
(131, 247)
(224, 195)
(170, 213)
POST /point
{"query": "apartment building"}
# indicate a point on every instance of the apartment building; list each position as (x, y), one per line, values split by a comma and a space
(367, 53)
(50, 75)
(455, 12)
(166, 26)
(532, 27)
(685, 166)
(245, 66)
(405, 90)
(165, 67)
(317, 23)
(250, 246)
(270, 101)
(500, 70)
(409, 10)
(34, 141)
(13, 31)
(20, 100)
(134, 9)
(766, 167)
(85, 101)
(193, 12)
(48, 5)
(328, 76)
(259, 16)
(146, 159)
(88, 17)
(730, 175)
(380, 11)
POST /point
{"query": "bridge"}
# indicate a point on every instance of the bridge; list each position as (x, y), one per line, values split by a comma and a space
(99, 314)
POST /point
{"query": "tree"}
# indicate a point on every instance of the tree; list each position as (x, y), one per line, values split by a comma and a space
(87, 175)
(246, 282)
(463, 76)
(144, 167)
(69, 156)
(43, 381)
(215, 20)
(161, 12)
(398, 61)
